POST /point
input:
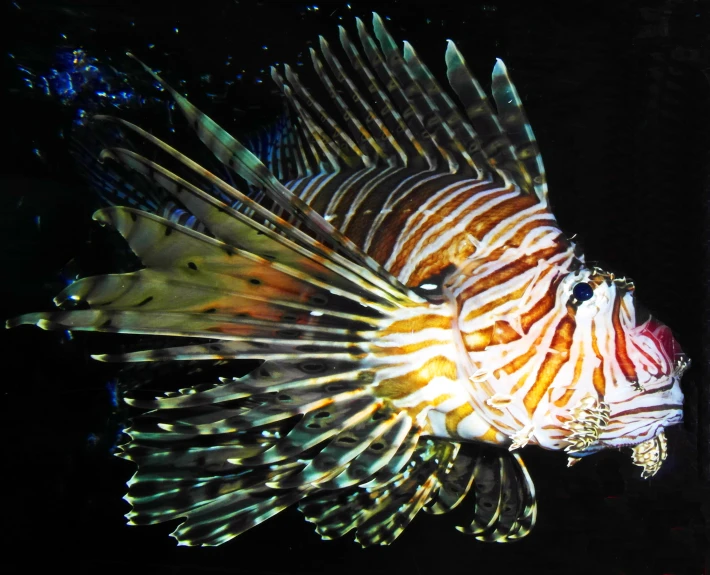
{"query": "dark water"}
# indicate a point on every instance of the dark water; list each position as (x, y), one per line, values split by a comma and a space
(618, 94)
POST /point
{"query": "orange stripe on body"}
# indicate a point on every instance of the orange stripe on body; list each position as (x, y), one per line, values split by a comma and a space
(567, 395)
(490, 306)
(422, 405)
(492, 435)
(454, 417)
(553, 362)
(499, 332)
(517, 363)
(598, 376)
(519, 384)
(402, 386)
(409, 348)
(478, 228)
(416, 324)
(541, 308)
(509, 271)
(625, 363)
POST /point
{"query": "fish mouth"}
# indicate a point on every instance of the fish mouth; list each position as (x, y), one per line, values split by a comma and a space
(677, 361)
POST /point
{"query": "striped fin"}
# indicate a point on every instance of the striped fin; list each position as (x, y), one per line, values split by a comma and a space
(114, 187)
(238, 229)
(322, 147)
(271, 377)
(346, 447)
(398, 117)
(227, 457)
(419, 107)
(505, 508)
(322, 421)
(380, 512)
(459, 132)
(357, 128)
(196, 286)
(415, 131)
(391, 122)
(381, 451)
(151, 169)
(442, 478)
(506, 138)
(515, 123)
(240, 159)
(349, 153)
(118, 186)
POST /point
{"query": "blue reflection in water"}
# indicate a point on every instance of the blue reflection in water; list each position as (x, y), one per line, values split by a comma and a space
(79, 79)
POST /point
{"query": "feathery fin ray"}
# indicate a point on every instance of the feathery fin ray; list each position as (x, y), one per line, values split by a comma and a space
(308, 426)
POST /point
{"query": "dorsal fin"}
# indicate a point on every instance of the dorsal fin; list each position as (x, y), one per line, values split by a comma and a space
(355, 175)
(515, 155)
(404, 117)
(234, 155)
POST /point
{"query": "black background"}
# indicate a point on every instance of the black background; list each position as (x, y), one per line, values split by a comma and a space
(618, 94)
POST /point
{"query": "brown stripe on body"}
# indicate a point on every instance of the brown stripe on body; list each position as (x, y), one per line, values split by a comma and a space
(502, 211)
(649, 409)
(478, 340)
(490, 306)
(625, 363)
(541, 307)
(402, 386)
(508, 272)
(431, 220)
(651, 360)
(458, 250)
(370, 207)
(450, 203)
(415, 192)
(660, 389)
(553, 362)
(517, 363)
(503, 333)
(519, 236)
(478, 228)
(325, 193)
(299, 188)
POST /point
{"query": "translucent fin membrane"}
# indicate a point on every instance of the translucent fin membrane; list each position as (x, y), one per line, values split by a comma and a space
(265, 275)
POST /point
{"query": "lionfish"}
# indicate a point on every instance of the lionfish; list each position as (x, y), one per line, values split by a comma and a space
(419, 314)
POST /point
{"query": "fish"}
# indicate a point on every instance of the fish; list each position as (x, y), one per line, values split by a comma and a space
(390, 258)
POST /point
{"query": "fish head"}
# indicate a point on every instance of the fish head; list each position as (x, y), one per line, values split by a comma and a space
(636, 375)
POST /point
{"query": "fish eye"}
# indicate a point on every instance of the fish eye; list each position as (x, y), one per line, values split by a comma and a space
(582, 291)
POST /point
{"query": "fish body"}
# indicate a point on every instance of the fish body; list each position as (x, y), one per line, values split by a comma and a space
(419, 313)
